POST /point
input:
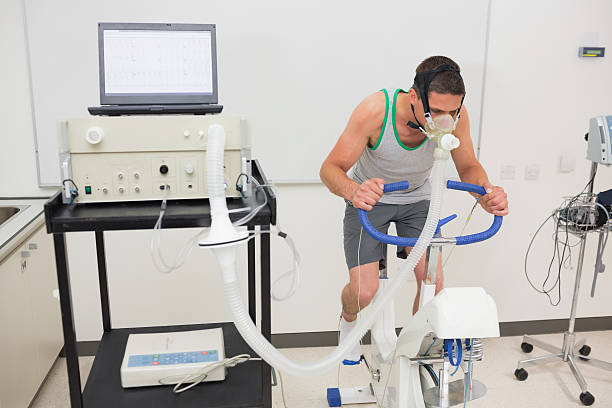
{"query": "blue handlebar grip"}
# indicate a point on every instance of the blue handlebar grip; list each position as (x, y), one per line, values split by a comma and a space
(400, 185)
(384, 238)
(444, 221)
(481, 236)
(472, 188)
(390, 239)
(410, 242)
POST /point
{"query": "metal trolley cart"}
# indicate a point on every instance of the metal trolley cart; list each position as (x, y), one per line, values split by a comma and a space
(247, 385)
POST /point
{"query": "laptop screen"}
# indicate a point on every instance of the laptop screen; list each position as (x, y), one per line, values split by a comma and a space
(157, 63)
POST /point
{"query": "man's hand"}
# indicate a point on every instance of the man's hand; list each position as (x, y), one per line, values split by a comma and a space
(495, 201)
(368, 193)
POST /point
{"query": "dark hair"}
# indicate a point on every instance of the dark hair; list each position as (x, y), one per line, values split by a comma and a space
(446, 82)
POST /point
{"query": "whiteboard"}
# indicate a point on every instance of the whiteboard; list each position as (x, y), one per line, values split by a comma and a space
(296, 70)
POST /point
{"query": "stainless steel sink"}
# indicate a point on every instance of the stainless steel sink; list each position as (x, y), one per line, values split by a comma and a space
(6, 212)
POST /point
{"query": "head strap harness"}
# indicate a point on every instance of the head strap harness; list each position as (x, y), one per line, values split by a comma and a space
(422, 80)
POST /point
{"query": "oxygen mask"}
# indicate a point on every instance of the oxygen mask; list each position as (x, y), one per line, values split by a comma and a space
(441, 130)
(440, 125)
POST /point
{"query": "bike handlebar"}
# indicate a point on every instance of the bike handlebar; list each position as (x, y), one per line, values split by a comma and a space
(410, 242)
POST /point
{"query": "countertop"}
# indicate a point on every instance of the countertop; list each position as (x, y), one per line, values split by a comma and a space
(17, 228)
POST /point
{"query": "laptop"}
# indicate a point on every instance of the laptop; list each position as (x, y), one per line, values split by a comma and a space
(157, 69)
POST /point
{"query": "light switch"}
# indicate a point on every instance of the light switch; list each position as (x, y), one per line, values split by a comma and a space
(567, 163)
(508, 172)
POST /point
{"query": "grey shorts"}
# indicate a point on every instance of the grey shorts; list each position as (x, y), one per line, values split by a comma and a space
(409, 220)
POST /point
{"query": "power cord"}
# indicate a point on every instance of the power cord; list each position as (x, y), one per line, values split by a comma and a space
(167, 267)
(282, 384)
(240, 186)
(381, 405)
(467, 220)
(155, 244)
(201, 375)
(358, 296)
(543, 290)
(563, 223)
(556, 252)
(294, 272)
(73, 193)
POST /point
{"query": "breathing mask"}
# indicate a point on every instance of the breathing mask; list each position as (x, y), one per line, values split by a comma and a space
(441, 126)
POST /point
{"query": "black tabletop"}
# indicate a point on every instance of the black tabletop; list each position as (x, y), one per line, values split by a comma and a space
(242, 386)
(129, 215)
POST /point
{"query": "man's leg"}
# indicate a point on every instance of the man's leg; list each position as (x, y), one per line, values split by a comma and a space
(356, 295)
(419, 274)
(409, 222)
(360, 291)
(363, 254)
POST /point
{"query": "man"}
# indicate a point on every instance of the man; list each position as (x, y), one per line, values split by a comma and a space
(384, 142)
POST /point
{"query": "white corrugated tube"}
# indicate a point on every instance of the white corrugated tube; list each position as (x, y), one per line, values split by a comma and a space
(226, 257)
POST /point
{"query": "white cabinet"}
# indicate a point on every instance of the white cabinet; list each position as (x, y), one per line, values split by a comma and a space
(30, 319)
(41, 278)
(19, 372)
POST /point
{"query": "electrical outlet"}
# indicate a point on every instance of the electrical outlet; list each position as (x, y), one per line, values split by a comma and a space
(532, 172)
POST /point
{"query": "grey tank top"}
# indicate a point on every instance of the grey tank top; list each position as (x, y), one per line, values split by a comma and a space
(392, 161)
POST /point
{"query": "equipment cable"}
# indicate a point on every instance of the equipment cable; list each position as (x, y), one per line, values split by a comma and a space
(469, 217)
(561, 217)
(163, 266)
(201, 375)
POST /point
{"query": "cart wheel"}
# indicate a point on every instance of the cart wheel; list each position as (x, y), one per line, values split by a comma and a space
(526, 347)
(521, 374)
(587, 398)
(584, 351)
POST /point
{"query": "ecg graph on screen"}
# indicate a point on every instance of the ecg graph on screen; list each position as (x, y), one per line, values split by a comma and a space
(137, 62)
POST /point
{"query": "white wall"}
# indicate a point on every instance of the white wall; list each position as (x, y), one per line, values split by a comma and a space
(538, 98)
(310, 56)
(17, 158)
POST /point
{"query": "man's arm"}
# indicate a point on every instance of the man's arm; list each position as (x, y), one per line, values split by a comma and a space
(471, 171)
(365, 122)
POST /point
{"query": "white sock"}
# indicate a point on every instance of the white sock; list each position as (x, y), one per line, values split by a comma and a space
(354, 353)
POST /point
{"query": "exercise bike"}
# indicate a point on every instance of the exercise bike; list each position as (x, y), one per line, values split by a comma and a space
(416, 368)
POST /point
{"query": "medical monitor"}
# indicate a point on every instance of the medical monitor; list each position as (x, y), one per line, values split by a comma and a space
(142, 63)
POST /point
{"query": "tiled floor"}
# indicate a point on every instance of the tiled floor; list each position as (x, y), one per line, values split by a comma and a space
(552, 385)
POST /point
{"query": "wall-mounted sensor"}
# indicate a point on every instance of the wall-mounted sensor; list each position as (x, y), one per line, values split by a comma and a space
(592, 52)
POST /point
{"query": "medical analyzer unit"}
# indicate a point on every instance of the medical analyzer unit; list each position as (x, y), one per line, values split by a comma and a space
(134, 158)
(168, 358)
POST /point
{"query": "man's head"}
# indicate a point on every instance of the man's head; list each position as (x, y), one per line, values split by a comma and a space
(445, 82)
(445, 88)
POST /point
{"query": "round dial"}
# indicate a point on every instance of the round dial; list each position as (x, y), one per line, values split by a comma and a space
(94, 134)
